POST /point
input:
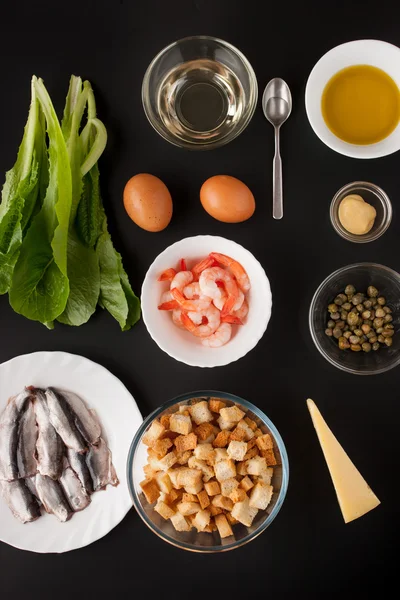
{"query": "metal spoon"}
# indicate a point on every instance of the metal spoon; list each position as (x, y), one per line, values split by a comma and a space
(277, 106)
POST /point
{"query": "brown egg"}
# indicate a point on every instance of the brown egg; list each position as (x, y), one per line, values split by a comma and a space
(148, 202)
(227, 199)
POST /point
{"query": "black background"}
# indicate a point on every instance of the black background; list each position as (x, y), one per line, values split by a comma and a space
(308, 549)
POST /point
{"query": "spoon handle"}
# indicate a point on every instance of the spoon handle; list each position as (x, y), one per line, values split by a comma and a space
(277, 203)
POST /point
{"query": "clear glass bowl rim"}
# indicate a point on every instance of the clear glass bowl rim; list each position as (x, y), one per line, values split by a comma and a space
(252, 101)
(278, 439)
(314, 300)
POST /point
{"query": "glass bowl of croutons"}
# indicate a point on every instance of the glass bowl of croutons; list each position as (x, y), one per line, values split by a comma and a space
(208, 471)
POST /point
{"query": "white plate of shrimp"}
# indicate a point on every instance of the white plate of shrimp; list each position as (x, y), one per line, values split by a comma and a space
(206, 301)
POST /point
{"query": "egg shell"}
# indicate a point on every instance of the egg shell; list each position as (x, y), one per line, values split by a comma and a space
(227, 199)
(148, 202)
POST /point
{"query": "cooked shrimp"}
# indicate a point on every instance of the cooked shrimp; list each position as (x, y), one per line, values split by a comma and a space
(231, 319)
(167, 302)
(190, 305)
(236, 268)
(203, 264)
(181, 279)
(167, 275)
(192, 291)
(219, 302)
(209, 287)
(220, 337)
(212, 316)
(242, 312)
(196, 318)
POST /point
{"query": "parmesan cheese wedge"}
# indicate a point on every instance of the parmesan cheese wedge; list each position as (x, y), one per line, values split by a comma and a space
(354, 495)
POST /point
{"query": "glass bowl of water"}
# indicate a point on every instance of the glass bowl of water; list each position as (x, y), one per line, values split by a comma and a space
(199, 92)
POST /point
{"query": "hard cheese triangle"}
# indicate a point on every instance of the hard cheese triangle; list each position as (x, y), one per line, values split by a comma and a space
(354, 494)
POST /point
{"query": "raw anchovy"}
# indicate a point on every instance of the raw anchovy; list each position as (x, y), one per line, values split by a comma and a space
(78, 464)
(76, 495)
(49, 445)
(86, 421)
(20, 501)
(100, 466)
(30, 483)
(26, 449)
(9, 421)
(63, 420)
(52, 498)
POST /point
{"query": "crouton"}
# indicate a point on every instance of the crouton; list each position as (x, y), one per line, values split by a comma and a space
(201, 465)
(186, 442)
(183, 410)
(204, 452)
(221, 454)
(221, 501)
(163, 481)
(189, 497)
(210, 528)
(266, 476)
(237, 450)
(190, 479)
(258, 432)
(202, 520)
(251, 443)
(150, 490)
(231, 519)
(149, 471)
(173, 475)
(215, 510)
(165, 463)
(188, 508)
(244, 513)
(161, 447)
(225, 469)
(224, 529)
(215, 404)
(200, 412)
(256, 465)
(203, 499)
(251, 453)
(246, 483)
(224, 424)
(180, 522)
(151, 453)
(183, 457)
(212, 488)
(249, 433)
(228, 486)
(222, 439)
(173, 496)
(252, 424)
(238, 434)
(241, 469)
(269, 456)
(164, 420)
(261, 495)
(180, 424)
(209, 440)
(204, 430)
(164, 510)
(237, 495)
(265, 442)
(153, 433)
(232, 413)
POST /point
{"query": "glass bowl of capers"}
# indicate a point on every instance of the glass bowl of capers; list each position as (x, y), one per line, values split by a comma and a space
(354, 318)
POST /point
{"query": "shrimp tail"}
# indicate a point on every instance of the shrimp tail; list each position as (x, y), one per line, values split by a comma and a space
(187, 322)
(231, 319)
(171, 305)
(167, 275)
(228, 306)
(182, 264)
(206, 263)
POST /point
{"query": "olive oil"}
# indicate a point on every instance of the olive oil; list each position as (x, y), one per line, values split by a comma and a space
(361, 104)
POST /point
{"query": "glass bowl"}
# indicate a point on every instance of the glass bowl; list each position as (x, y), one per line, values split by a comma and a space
(361, 275)
(199, 92)
(206, 542)
(372, 194)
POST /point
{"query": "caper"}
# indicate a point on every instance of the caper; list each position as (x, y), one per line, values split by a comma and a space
(346, 306)
(347, 334)
(359, 321)
(372, 291)
(381, 300)
(388, 333)
(350, 289)
(387, 319)
(372, 317)
(331, 324)
(346, 327)
(332, 308)
(343, 315)
(367, 303)
(329, 332)
(386, 309)
(355, 347)
(366, 314)
(358, 332)
(368, 322)
(337, 332)
(360, 308)
(357, 299)
(373, 339)
(375, 346)
(340, 324)
(389, 326)
(352, 318)
(366, 329)
(381, 339)
(353, 327)
(379, 330)
(335, 316)
(370, 334)
(366, 346)
(338, 301)
(378, 322)
(380, 312)
(374, 301)
(388, 341)
(354, 339)
(343, 343)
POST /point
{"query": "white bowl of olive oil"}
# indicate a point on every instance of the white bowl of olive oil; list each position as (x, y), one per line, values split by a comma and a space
(353, 99)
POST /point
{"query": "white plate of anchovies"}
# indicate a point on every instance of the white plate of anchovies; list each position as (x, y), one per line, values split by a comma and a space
(66, 425)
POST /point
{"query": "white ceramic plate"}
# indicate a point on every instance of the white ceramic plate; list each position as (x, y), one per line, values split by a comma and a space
(120, 419)
(362, 52)
(182, 345)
